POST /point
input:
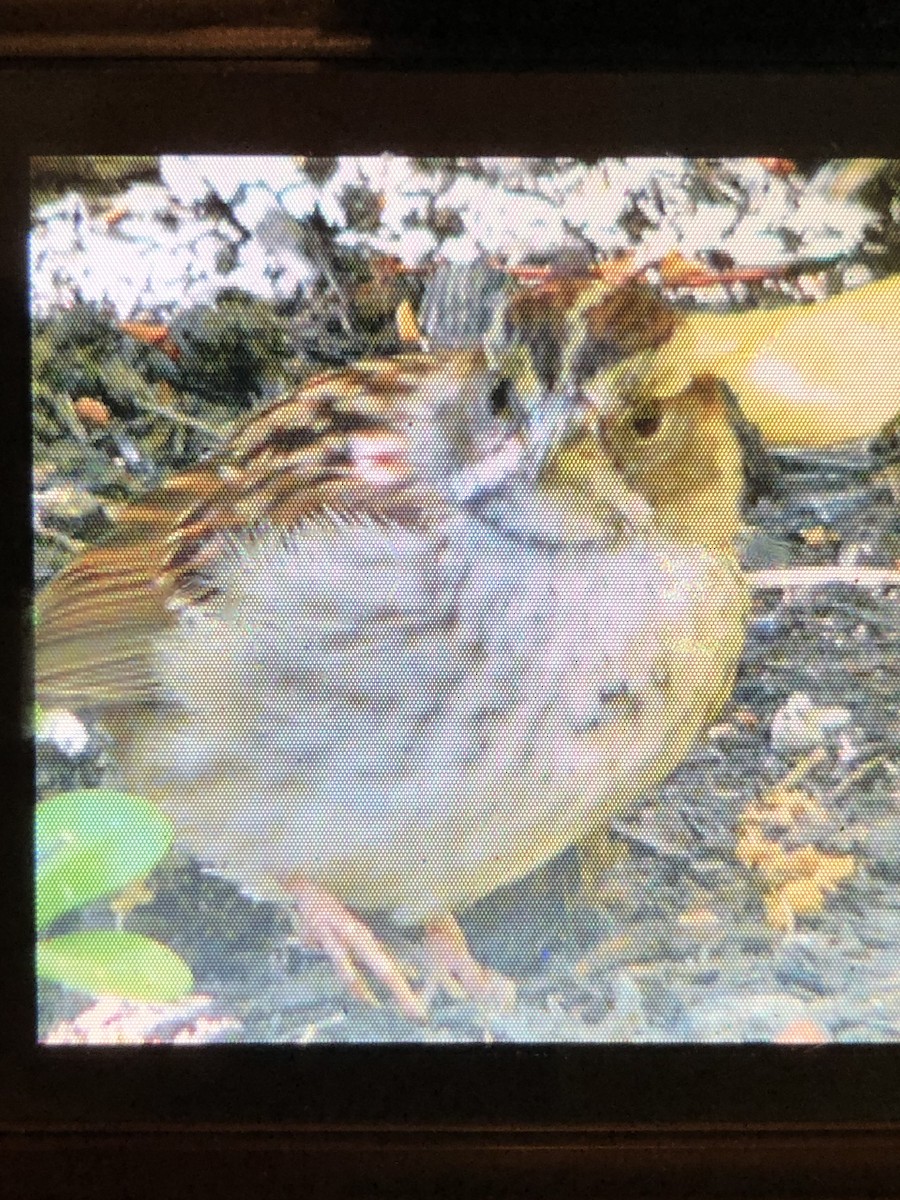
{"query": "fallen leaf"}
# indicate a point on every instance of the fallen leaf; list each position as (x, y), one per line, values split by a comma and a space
(92, 411)
(819, 536)
(408, 328)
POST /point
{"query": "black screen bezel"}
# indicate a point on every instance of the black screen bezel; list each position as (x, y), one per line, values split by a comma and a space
(305, 107)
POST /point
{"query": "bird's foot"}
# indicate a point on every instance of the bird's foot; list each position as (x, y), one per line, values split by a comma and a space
(450, 964)
(326, 924)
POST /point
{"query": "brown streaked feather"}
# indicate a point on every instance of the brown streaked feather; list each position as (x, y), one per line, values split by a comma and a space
(99, 620)
(573, 326)
(630, 319)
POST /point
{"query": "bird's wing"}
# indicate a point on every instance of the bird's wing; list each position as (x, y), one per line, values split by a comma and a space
(335, 447)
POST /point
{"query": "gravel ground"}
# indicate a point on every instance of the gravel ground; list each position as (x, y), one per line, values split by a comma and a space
(754, 896)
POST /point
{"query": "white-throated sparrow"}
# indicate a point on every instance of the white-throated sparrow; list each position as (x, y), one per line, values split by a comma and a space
(417, 628)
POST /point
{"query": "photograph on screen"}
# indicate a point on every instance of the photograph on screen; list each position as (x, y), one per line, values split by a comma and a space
(466, 599)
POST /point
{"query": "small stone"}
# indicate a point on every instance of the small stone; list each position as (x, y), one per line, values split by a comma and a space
(64, 730)
(865, 554)
(746, 717)
(758, 549)
(857, 275)
(73, 511)
(702, 920)
(801, 725)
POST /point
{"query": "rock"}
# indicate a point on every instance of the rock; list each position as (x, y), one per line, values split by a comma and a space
(758, 549)
(801, 725)
(880, 550)
(73, 511)
(807, 962)
(64, 731)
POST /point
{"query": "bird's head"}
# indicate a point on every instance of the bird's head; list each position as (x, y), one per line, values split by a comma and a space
(617, 438)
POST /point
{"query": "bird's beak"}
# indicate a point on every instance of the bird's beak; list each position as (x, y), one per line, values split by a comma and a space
(490, 470)
(550, 422)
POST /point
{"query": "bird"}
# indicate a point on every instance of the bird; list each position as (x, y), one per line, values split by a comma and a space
(422, 625)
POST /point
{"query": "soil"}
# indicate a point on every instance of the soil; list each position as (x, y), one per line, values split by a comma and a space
(670, 929)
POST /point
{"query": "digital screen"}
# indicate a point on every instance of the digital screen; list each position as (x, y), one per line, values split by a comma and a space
(466, 599)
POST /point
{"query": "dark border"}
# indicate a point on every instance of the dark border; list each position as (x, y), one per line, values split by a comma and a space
(671, 1093)
(501, 1167)
(616, 34)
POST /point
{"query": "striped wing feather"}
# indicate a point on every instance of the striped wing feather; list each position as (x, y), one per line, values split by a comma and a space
(295, 462)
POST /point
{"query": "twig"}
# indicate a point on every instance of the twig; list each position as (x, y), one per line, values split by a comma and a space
(178, 418)
(322, 258)
(801, 769)
(64, 410)
(788, 578)
(58, 538)
(860, 772)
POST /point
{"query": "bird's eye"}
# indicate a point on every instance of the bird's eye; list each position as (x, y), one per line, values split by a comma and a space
(500, 398)
(646, 423)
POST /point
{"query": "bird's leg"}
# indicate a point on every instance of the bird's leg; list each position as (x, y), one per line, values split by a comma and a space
(325, 923)
(448, 956)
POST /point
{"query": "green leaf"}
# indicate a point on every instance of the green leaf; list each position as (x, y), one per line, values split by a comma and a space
(92, 843)
(113, 963)
(34, 719)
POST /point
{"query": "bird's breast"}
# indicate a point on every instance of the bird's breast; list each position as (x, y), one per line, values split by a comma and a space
(414, 721)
